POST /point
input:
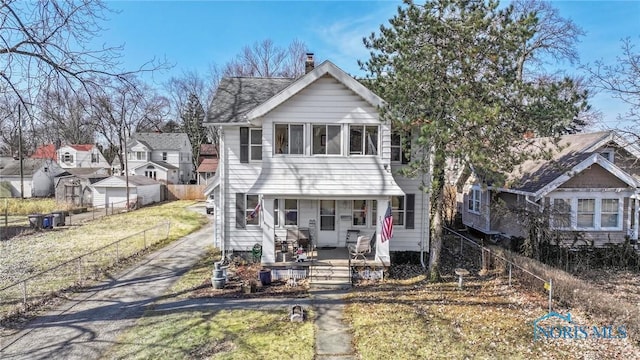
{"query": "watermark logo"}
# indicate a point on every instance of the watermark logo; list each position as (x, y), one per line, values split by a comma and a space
(555, 326)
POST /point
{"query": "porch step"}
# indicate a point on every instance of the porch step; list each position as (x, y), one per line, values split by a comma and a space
(330, 277)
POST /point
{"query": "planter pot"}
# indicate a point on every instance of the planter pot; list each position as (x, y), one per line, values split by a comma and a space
(265, 277)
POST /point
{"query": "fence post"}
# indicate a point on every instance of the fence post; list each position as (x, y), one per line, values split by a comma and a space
(24, 293)
(80, 270)
(550, 293)
(509, 273)
(144, 237)
(118, 252)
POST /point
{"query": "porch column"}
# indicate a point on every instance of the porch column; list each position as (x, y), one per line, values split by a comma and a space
(268, 241)
(635, 211)
(382, 248)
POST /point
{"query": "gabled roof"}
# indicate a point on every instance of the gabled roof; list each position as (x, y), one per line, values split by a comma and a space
(161, 141)
(84, 172)
(208, 150)
(574, 153)
(240, 100)
(29, 166)
(45, 152)
(81, 147)
(121, 181)
(208, 166)
(236, 96)
(163, 164)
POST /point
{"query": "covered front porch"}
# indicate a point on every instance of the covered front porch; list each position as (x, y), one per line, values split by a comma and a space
(306, 230)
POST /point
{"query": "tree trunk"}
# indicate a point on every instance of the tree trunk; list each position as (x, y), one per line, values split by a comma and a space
(437, 199)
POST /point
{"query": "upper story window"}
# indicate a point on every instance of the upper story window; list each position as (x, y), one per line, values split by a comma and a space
(363, 140)
(256, 144)
(137, 155)
(164, 156)
(250, 144)
(400, 147)
(94, 157)
(67, 157)
(326, 140)
(289, 139)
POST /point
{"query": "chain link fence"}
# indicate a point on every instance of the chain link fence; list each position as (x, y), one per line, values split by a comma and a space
(34, 289)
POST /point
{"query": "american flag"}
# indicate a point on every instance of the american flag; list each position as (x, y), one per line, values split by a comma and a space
(255, 212)
(387, 225)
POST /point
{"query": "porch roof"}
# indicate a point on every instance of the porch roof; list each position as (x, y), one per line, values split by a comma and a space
(311, 183)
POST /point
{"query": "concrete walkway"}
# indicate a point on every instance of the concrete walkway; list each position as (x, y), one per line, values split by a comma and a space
(86, 325)
(333, 336)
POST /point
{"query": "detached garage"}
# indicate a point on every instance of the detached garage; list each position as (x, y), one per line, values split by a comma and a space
(112, 191)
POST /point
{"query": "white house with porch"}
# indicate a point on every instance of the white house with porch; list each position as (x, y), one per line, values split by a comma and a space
(310, 153)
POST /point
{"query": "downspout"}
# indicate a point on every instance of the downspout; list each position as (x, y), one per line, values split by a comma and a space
(223, 192)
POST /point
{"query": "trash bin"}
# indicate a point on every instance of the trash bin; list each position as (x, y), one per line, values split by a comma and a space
(265, 277)
(35, 221)
(59, 218)
(47, 221)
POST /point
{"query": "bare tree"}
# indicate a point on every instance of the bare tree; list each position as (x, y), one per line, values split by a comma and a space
(45, 43)
(120, 109)
(621, 80)
(265, 59)
(65, 116)
(554, 38)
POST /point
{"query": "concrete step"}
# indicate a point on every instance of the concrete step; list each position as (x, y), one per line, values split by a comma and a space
(330, 277)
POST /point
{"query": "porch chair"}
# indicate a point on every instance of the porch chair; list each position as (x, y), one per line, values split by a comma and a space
(361, 248)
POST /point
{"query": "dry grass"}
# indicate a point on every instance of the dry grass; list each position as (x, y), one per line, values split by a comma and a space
(195, 334)
(25, 256)
(14, 206)
(487, 320)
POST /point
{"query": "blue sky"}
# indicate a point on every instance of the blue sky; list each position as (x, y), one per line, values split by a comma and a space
(194, 34)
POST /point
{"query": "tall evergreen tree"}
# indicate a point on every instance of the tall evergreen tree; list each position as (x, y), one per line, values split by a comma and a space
(192, 119)
(449, 73)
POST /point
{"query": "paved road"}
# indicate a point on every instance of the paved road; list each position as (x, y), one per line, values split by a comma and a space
(86, 325)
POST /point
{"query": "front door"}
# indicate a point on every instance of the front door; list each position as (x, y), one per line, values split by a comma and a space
(327, 231)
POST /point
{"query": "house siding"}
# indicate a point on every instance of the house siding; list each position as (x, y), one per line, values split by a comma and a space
(595, 177)
(479, 221)
(325, 101)
(502, 221)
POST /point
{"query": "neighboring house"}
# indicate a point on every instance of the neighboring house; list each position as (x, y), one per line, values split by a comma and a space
(81, 156)
(37, 178)
(310, 152)
(588, 191)
(45, 152)
(207, 163)
(73, 186)
(112, 191)
(166, 157)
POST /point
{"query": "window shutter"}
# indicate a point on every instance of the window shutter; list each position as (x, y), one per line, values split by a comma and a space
(244, 144)
(411, 206)
(240, 209)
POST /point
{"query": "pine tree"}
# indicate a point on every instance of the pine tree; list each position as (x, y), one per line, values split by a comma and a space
(448, 72)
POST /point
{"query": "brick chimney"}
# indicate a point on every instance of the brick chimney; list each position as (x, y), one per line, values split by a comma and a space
(309, 64)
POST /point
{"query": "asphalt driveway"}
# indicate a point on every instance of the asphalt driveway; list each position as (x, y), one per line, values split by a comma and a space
(86, 325)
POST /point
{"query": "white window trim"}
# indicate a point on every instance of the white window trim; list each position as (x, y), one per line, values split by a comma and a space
(304, 139)
(474, 190)
(326, 126)
(252, 145)
(598, 197)
(364, 140)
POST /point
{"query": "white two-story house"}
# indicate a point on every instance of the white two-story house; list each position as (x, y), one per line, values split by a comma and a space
(81, 156)
(165, 157)
(313, 153)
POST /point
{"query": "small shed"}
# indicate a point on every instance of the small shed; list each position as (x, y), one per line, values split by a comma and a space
(112, 191)
(74, 185)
